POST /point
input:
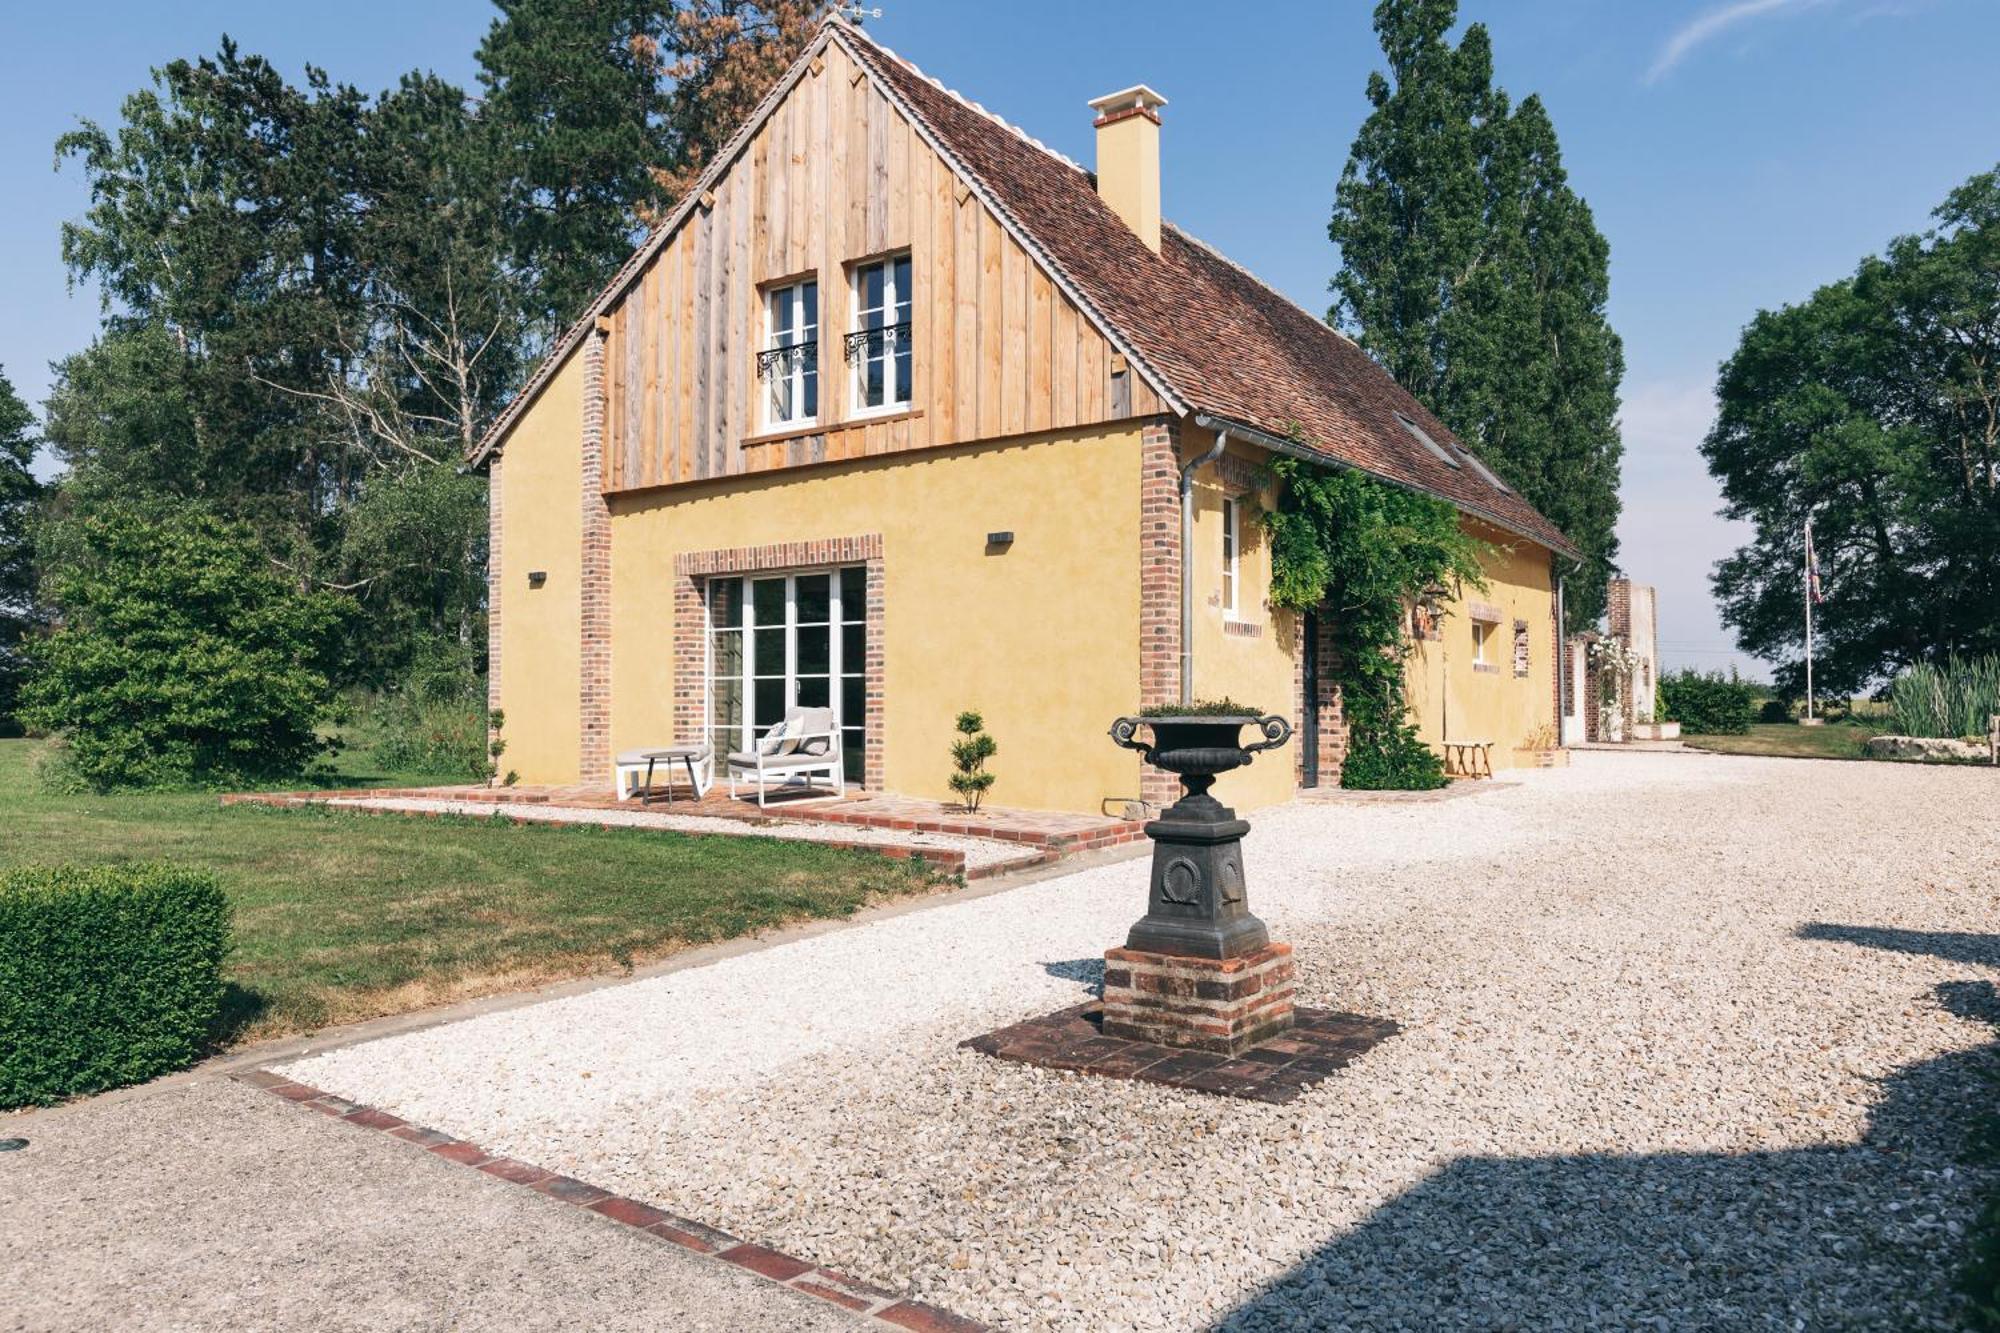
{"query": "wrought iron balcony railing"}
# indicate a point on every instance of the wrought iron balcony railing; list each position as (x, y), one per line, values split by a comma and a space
(878, 341)
(784, 360)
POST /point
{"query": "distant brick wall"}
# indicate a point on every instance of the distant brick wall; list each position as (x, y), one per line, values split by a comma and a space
(1587, 687)
(1159, 586)
(594, 729)
(1618, 608)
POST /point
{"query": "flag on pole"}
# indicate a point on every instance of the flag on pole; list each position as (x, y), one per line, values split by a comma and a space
(1812, 568)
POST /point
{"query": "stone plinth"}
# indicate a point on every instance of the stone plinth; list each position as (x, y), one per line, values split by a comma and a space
(1223, 1005)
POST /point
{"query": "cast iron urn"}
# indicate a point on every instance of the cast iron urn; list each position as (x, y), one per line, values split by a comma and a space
(1197, 905)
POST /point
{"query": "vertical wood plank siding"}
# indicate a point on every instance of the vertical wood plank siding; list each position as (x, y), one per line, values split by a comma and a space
(836, 176)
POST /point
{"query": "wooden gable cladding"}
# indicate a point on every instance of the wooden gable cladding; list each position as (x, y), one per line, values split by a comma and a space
(836, 175)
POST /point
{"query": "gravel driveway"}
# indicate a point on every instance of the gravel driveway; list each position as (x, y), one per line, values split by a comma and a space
(1689, 1041)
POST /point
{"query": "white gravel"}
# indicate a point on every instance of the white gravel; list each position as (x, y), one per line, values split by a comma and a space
(979, 852)
(1689, 1041)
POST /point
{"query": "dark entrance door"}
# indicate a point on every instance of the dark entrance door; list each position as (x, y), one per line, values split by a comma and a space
(1309, 706)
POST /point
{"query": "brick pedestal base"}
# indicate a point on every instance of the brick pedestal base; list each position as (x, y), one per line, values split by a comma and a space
(1205, 1004)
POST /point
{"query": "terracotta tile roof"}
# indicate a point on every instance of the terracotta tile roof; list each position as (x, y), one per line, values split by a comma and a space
(1216, 338)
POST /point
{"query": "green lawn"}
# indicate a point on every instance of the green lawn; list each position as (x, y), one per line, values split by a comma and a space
(1836, 740)
(342, 916)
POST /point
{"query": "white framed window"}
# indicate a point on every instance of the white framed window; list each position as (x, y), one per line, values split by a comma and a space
(788, 365)
(784, 641)
(1232, 544)
(1482, 637)
(878, 347)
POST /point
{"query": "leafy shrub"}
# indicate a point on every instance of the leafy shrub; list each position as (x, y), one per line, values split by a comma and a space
(435, 722)
(1708, 703)
(969, 754)
(108, 975)
(1954, 700)
(1774, 710)
(182, 657)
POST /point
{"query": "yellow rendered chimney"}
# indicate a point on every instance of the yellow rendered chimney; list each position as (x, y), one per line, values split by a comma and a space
(1128, 159)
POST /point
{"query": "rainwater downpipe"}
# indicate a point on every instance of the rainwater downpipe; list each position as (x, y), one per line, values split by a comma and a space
(1187, 562)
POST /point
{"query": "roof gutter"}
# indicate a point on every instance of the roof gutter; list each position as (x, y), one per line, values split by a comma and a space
(1187, 560)
(1279, 444)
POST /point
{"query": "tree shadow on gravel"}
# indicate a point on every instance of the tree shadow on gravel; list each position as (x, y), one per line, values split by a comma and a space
(1089, 971)
(1850, 1236)
(1957, 946)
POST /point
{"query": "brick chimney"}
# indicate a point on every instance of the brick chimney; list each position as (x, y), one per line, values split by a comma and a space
(1128, 159)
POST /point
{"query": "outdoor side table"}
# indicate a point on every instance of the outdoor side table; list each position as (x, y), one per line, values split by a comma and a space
(697, 760)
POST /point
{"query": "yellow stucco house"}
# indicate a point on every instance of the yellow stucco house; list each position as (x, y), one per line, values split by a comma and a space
(902, 413)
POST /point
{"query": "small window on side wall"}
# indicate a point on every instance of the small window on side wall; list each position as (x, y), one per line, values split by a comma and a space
(788, 364)
(1482, 635)
(1232, 541)
(879, 347)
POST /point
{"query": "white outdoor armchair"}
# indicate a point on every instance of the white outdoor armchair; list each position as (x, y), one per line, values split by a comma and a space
(805, 745)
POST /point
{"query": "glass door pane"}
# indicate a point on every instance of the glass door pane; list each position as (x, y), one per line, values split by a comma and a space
(853, 669)
(770, 689)
(725, 618)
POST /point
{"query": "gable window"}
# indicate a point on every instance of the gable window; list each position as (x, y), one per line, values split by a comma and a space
(1231, 545)
(789, 363)
(879, 347)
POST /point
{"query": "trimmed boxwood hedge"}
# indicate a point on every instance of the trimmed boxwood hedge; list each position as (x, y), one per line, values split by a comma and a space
(1708, 704)
(108, 975)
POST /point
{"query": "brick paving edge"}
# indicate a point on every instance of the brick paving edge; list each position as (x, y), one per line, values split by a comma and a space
(871, 1303)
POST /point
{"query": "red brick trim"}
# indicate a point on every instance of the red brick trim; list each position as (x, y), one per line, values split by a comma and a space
(593, 759)
(1159, 585)
(1125, 113)
(1332, 737)
(691, 568)
(1243, 629)
(494, 569)
(873, 1303)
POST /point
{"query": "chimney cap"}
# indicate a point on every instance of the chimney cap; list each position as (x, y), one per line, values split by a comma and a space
(1136, 98)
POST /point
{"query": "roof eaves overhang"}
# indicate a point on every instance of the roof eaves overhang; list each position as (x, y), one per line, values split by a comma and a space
(1280, 444)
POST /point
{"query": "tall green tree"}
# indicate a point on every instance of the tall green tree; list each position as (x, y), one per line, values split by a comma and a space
(310, 314)
(18, 492)
(608, 110)
(1872, 408)
(575, 94)
(1478, 278)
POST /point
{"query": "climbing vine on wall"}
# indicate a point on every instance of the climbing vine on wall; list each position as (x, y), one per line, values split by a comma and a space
(1364, 552)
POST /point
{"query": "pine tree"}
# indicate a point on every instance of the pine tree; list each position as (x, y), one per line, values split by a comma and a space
(574, 94)
(607, 111)
(18, 492)
(1478, 278)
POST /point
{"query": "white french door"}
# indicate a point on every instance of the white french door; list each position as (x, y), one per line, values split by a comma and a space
(786, 641)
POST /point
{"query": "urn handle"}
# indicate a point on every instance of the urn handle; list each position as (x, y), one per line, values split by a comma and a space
(1276, 732)
(1125, 733)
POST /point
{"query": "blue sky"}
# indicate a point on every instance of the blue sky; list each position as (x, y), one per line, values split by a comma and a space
(1738, 153)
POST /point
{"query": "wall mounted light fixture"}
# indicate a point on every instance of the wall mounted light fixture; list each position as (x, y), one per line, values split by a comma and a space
(1002, 540)
(537, 577)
